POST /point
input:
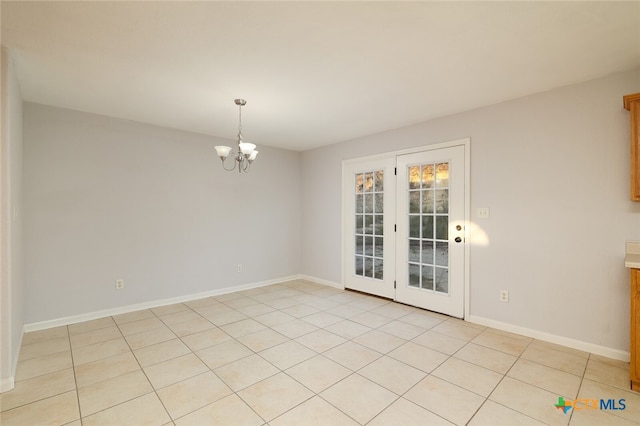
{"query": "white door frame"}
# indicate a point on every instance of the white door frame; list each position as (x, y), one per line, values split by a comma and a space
(466, 142)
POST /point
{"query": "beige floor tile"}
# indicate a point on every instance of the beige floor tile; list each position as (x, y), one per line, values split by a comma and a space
(422, 319)
(318, 373)
(192, 394)
(345, 311)
(44, 335)
(508, 344)
(96, 336)
(56, 410)
(321, 303)
(345, 297)
(170, 309)
(42, 348)
(274, 318)
(140, 326)
(261, 340)
(322, 319)
(164, 351)
(314, 412)
(440, 342)
(133, 316)
(100, 350)
(240, 302)
(549, 345)
(223, 353)
(449, 401)
(108, 393)
(320, 340)
(393, 310)
(417, 356)
(394, 375)
(280, 302)
(215, 309)
(457, 330)
(370, 319)
(596, 390)
(497, 361)
(379, 341)
(609, 361)
(205, 339)
(43, 365)
(607, 373)
(199, 303)
(222, 318)
(406, 413)
(560, 360)
(106, 368)
(369, 303)
(228, 296)
(37, 388)
(181, 316)
(275, 395)
(148, 338)
(144, 410)
(295, 328)
(556, 381)
(402, 329)
(359, 398)
(300, 310)
(352, 355)
(242, 327)
(468, 376)
(255, 310)
(492, 413)
(347, 329)
(186, 328)
(84, 327)
(227, 411)
(174, 370)
(245, 372)
(287, 354)
(529, 400)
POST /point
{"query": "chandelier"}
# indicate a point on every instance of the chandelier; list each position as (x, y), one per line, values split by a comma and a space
(246, 151)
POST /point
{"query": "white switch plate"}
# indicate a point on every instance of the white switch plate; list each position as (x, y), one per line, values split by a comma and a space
(482, 212)
(504, 296)
(119, 284)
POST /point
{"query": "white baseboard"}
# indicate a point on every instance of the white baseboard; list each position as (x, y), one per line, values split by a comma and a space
(553, 338)
(89, 316)
(6, 384)
(322, 281)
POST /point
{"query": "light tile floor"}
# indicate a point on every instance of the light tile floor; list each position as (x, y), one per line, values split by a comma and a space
(299, 353)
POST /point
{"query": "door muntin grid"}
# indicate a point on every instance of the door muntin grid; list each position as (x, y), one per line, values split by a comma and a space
(369, 224)
(428, 217)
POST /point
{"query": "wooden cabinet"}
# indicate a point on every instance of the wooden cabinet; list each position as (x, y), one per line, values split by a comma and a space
(635, 330)
(632, 104)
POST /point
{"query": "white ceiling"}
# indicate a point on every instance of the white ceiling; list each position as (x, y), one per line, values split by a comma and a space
(313, 73)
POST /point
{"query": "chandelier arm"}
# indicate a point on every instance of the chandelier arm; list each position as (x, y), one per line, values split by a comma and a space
(225, 167)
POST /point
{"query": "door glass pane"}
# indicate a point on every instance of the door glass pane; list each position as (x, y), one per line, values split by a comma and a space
(414, 275)
(369, 240)
(428, 219)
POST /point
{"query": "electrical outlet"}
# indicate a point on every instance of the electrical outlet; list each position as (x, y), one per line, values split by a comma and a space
(483, 212)
(239, 267)
(119, 284)
(504, 296)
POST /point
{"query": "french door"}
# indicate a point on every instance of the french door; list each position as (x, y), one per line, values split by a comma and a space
(404, 227)
(368, 197)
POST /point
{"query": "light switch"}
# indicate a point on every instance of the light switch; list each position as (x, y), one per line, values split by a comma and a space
(483, 213)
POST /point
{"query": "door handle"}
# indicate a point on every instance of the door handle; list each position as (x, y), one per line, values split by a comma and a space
(458, 240)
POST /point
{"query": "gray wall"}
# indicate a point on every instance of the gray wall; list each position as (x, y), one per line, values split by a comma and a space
(109, 199)
(554, 170)
(11, 265)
